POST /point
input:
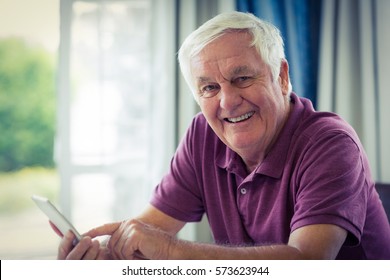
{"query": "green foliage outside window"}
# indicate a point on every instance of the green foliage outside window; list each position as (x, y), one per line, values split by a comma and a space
(27, 106)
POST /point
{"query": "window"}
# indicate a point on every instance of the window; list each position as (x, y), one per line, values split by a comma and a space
(116, 106)
(29, 38)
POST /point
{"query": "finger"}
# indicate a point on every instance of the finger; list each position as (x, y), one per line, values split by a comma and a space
(123, 238)
(123, 248)
(56, 230)
(112, 245)
(66, 245)
(81, 249)
(137, 255)
(104, 254)
(106, 229)
(117, 239)
(126, 245)
(93, 251)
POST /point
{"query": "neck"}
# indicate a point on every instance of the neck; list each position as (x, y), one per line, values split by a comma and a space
(250, 167)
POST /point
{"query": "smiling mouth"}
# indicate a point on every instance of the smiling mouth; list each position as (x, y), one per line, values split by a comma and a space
(240, 118)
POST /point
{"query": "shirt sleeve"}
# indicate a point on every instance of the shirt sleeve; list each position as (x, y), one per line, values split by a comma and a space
(178, 193)
(332, 185)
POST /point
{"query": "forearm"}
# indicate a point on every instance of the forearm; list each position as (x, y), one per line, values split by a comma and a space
(180, 249)
(154, 217)
(320, 241)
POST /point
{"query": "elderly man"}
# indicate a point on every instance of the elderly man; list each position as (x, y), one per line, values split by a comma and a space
(276, 179)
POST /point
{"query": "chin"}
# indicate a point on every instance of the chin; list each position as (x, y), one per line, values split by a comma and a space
(240, 145)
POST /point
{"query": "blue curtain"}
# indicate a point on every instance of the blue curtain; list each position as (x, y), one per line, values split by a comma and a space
(299, 23)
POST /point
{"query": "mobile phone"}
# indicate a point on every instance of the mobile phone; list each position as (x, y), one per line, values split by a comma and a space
(55, 216)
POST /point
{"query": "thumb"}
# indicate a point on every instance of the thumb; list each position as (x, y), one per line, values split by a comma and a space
(106, 229)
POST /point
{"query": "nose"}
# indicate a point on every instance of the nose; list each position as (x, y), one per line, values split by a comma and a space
(230, 98)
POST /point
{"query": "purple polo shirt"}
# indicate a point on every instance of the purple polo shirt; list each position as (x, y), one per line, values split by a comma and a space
(316, 173)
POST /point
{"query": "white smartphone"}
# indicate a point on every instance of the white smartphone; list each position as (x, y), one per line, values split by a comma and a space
(55, 216)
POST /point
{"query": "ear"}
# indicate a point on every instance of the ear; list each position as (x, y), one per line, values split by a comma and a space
(284, 78)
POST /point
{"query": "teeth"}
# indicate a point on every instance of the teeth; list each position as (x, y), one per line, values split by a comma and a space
(241, 118)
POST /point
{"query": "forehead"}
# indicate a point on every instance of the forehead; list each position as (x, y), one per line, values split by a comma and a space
(231, 53)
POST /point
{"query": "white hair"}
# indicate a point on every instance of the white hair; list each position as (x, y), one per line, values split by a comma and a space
(266, 39)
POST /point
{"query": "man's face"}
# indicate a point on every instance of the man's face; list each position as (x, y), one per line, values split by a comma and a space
(238, 96)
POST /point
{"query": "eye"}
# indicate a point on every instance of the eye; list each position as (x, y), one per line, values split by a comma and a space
(243, 82)
(209, 90)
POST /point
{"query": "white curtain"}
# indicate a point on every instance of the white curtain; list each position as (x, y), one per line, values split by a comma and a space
(116, 90)
(162, 86)
(354, 65)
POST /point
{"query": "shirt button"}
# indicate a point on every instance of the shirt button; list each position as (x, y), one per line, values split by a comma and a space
(243, 191)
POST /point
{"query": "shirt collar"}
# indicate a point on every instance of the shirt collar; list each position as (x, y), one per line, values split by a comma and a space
(231, 161)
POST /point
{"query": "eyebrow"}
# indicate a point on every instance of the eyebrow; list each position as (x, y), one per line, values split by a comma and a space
(202, 80)
(239, 70)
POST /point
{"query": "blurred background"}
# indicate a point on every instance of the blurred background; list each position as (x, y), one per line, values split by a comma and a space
(92, 104)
